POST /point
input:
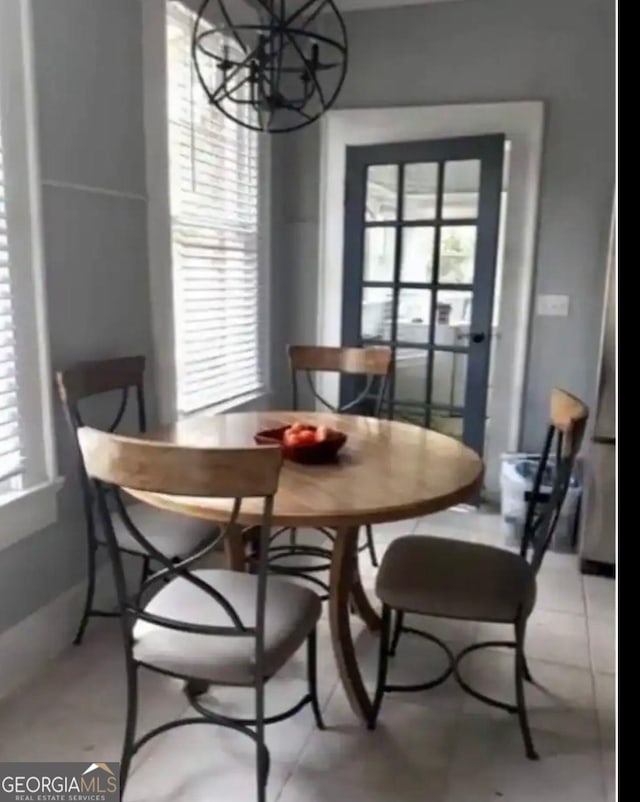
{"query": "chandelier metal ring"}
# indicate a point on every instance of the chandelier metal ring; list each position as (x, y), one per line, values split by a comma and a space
(276, 74)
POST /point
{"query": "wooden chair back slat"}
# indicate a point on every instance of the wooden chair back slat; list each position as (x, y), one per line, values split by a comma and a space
(178, 470)
(569, 416)
(370, 361)
(93, 378)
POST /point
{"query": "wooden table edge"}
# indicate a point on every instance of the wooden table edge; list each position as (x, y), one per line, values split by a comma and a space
(312, 520)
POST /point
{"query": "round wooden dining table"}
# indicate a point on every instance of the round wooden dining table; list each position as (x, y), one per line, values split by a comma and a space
(387, 471)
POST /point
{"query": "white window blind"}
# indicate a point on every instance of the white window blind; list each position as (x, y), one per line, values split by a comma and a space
(10, 446)
(214, 221)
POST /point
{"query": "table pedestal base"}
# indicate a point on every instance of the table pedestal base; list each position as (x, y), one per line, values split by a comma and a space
(344, 585)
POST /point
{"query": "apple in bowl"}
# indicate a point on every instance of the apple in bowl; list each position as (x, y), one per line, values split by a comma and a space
(305, 443)
(299, 435)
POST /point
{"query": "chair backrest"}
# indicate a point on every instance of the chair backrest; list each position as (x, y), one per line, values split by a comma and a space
(89, 379)
(237, 473)
(567, 423)
(161, 467)
(374, 363)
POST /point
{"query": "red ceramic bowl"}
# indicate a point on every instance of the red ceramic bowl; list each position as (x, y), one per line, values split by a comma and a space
(307, 453)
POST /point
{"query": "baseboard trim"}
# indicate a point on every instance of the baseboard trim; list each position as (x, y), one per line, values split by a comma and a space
(27, 647)
(597, 568)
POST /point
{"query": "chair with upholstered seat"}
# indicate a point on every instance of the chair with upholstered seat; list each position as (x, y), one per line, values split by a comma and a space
(365, 373)
(470, 581)
(175, 536)
(204, 626)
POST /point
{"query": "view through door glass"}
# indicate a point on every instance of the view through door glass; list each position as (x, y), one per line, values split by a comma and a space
(421, 230)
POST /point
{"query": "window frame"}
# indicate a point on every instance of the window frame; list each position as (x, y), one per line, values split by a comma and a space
(159, 229)
(34, 507)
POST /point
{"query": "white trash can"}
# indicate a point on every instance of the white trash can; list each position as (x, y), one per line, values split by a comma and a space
(516, 479)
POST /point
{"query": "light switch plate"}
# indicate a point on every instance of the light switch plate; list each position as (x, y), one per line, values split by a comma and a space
(552, 305)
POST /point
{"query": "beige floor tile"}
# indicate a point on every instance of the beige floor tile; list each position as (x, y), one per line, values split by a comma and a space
(385, 533)
(561, 561)
(609, 769)
(416, 661)
(455, 633)
(606, 707)
(560, 703)
(497, 771)
(411, 743)
(600, 594)
(602, 644)
(489, 760)
(77, 706)
(560, 590)
(444, 529)
(552, 636)
(304, 786)
(471, 523)
(202, 763)
(62, 734)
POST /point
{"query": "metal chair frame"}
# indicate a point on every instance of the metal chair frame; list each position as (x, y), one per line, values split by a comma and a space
(125, 376)
(376, 386)
(131, 609)
(542, 514)
(71, 405)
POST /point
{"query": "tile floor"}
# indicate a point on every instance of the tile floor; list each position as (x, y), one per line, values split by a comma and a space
(437, 746)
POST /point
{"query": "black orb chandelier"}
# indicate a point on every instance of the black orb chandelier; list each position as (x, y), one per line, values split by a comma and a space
(276, 68)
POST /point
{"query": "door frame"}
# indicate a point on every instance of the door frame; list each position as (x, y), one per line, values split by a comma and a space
(523, 125)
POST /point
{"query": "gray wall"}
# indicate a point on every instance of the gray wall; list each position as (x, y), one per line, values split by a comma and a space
(488, 51)
(89, 93)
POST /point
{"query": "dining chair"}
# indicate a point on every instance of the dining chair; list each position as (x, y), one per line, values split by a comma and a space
(174, 535)
(471, 581)
(211, 626)
(371, 366)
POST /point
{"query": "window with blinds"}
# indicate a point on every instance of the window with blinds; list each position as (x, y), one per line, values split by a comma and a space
(10, 447)
(214, 222)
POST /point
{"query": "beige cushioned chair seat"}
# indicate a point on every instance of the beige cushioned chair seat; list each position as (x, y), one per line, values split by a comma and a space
(172, 534)
(454, 579)
(292, 612)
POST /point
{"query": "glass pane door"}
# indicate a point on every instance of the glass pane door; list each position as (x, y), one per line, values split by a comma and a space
(421, 227)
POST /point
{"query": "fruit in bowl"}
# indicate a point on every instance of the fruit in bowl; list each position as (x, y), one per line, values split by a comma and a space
(305, 443)
(299, 435)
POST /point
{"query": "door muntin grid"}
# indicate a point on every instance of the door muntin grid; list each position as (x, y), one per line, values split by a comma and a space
(418, 291)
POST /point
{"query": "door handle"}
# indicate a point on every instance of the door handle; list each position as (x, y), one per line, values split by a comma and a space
(478, 337)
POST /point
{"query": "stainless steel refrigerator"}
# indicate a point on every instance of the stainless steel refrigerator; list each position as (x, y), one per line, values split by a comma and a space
(598, 529)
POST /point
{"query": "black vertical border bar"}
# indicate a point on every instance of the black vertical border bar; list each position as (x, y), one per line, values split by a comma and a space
(479, 353)
(393, 334)
(435, 277)
(353, 263)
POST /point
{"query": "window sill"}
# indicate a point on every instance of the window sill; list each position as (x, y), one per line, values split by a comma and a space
(24, 512)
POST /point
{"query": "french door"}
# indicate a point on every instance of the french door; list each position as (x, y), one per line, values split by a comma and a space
(421, 242)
